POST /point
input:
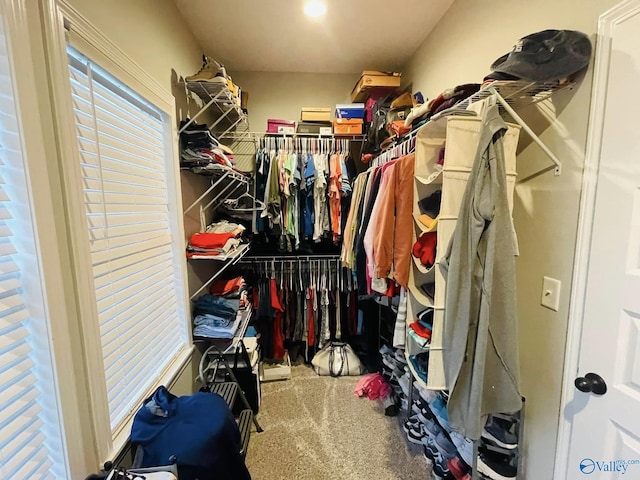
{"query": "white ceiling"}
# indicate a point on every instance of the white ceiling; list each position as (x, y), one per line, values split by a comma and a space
(274, 35)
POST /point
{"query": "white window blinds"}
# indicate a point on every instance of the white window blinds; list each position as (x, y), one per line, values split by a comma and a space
(121, 138)
(30, 441)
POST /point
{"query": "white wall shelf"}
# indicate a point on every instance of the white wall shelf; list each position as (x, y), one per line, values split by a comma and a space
(227, 261)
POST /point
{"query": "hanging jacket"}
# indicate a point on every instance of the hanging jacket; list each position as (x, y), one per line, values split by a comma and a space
(394, 238)
(480, 338)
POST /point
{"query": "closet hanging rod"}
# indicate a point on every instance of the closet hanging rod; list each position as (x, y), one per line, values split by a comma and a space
(257, 135)
(288, 258)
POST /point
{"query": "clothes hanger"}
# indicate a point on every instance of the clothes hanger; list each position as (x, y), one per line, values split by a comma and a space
(235, 203)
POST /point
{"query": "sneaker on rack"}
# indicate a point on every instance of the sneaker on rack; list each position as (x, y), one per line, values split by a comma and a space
(414, 434)
(210, 72)
(499, 435)
(440, 467)
(427, 395)
(399, 356)
(429, 450)
(464, 446)
(390, 362)
(445, 445)
(439, 409)
(432, 429)
(405, 383)
(425, 415)
(411, 423)
(459, 469)
(496, 466)
(386, 350)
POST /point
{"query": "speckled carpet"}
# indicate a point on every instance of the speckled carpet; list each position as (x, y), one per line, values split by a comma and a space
(315, 428)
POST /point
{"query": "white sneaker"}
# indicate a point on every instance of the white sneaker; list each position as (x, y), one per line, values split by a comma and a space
(464, 446)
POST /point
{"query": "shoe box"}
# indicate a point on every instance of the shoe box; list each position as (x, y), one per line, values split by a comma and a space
(350, 110)
(315, 114)
(281, 126)
(347, 126)
(374, 79)
(315, 128)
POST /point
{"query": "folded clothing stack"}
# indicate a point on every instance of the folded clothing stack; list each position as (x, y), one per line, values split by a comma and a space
(199, 150)
(420, 330)
(232, 288)
(215, 317)
(216, 313)
(221, 238)
(450, 97)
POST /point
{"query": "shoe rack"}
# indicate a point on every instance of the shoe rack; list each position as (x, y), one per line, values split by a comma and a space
(228, 116)
(428, 419)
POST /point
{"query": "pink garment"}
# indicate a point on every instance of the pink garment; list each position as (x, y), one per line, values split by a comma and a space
(373, 385)
(372, 228)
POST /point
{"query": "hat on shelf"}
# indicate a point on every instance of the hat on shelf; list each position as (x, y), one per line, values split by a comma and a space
(546, 56)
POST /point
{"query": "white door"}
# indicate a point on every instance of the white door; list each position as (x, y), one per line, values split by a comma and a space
(605, 429)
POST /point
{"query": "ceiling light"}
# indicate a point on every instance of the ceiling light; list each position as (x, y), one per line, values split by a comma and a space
(315, 8)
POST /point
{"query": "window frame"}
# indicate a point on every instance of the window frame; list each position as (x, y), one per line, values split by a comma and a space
(62, 24)
(55, 307)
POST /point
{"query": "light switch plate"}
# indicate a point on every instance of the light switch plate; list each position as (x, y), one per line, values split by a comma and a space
(551, 293)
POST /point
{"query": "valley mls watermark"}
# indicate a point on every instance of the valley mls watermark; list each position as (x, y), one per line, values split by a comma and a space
(589, 466)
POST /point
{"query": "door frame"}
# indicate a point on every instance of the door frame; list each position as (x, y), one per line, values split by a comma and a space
(607, 21)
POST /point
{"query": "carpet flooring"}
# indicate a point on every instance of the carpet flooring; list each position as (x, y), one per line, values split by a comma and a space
(315, 428)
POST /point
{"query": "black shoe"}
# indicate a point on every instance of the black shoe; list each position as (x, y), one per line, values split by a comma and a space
(496, 466)
(499, 434)
(414, 435)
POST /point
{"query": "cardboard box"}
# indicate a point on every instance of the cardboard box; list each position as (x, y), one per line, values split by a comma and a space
(315, 128)
(350, 110)
(347, 126)
(281, 126)
(315, 114)
(374, 79)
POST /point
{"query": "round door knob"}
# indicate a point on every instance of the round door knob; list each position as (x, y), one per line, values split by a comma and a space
(591, 382)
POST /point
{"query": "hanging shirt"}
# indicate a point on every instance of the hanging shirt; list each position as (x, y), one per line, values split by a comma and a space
(335, 195)
(321, 223)
(373, 227)
(272, 195)
(309, 181)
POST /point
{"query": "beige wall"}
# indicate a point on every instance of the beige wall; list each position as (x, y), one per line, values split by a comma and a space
(282, 95)
(472, 34)
(154, 35)
(151, 32)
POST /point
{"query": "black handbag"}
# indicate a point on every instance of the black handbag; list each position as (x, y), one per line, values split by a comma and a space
(240, 364)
